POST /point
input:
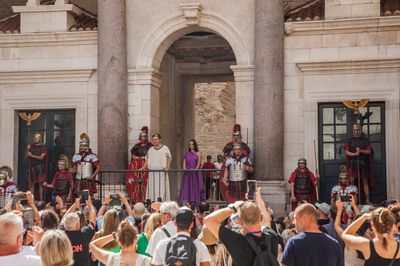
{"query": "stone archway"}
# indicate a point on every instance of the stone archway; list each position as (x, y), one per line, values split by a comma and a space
(144, 82)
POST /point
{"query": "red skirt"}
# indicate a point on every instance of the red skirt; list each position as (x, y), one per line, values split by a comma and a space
(85, 184)
(136, 182)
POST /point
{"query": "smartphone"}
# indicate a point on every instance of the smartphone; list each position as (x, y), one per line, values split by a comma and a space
(27, 218)
(251, 189)
(115, 200)
(345, 198)
(23, 199)
(84, 196)
(159, 199)
(206, 213)
(14, 201)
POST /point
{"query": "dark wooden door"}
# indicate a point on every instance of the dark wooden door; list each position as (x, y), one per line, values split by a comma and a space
(57, 128)
(334, 128)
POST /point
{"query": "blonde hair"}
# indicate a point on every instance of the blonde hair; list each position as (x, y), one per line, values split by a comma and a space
(152, 224)
(383, 220)
(56, 249)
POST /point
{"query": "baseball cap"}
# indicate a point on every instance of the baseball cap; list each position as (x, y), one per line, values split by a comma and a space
(184, 217)
(324, 207)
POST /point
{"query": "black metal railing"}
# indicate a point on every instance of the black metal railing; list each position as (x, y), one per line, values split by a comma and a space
(114, 181)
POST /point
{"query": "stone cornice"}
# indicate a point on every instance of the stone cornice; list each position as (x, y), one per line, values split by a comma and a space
(343, 67)
(146, 76)
(342, 25)
(47, 8)
(243, 73)
(45, 76)
(48, 39)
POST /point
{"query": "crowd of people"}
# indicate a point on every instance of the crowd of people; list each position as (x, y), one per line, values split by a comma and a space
(114, 232)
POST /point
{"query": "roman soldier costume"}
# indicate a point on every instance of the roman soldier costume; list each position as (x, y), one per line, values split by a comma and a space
(303, 184)
(236, 138)
(7, 186)
(136, 182)
(344, 188)
(86, 165)
(237, 170)
(359, 159)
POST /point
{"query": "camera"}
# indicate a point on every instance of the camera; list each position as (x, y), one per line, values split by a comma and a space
(115, 200)
(345, 198)
(27, 218)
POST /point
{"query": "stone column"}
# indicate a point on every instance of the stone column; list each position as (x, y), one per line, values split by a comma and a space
(268, 89)
(112, 88)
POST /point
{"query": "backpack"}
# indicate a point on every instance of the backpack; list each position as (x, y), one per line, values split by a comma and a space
(181, 250)
(266, 251)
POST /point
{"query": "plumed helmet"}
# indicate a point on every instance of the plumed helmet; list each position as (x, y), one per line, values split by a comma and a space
(236, 130)
(144, 131)
(84, 139)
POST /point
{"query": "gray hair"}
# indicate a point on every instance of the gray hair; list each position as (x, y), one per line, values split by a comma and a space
(10, 222)
(170, 207)
(71, 219)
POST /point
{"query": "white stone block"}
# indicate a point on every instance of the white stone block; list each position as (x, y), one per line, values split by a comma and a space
(324, 54)
(337, 11)
(358, 53)
(365, 10)
(297, 55)
(376, 38)
(339, 40)
(294, 110)
(393, 51)
(304, 41)
(355, 2)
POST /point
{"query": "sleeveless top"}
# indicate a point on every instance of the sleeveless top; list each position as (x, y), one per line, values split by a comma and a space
(376, 260)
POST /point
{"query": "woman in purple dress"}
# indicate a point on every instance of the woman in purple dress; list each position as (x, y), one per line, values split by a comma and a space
(192, 182)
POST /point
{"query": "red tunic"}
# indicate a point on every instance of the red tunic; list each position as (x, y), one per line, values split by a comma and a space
(209, 166)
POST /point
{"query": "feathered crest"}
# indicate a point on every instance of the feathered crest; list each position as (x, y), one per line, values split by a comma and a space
(236, 129)
(84, 139)
(145, 129)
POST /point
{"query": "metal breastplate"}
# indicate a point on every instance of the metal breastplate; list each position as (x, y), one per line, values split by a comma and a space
(84, 170)
(237, 172)
(303, 182)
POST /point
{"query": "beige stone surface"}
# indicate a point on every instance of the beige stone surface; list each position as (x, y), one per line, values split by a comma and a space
(214, 116)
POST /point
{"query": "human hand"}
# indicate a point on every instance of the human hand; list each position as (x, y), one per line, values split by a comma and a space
(89, 202)
(107, 198)
(339, 204)
(77, 204)
(123, 198)
(293, 198)
(238, 204)
(30, 154)
(353, 200)
(30, 199)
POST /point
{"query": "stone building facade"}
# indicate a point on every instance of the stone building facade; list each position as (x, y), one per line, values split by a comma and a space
(129, 64)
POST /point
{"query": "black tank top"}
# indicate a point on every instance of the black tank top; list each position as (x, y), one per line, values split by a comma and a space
(376, 260)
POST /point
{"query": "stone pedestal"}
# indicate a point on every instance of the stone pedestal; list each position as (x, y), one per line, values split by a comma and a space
(268, 90)
(276, 195)
(112, 86)
(46, 18)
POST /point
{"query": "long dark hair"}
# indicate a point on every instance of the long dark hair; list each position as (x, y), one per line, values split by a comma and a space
(196, 148)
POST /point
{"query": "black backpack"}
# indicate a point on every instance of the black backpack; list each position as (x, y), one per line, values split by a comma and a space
(181, 250)
(266, 250)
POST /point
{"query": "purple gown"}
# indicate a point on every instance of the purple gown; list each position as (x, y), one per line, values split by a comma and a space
(192, 182)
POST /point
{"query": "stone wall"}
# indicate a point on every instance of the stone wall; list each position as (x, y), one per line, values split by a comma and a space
(214, 116)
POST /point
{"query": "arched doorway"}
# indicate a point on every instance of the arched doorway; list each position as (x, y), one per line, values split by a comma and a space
(153, 78)
(197, 95)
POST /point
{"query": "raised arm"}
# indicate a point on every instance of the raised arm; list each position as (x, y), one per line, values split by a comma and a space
(97, 251)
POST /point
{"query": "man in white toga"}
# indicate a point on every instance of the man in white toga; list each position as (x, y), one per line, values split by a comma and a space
(158, 158)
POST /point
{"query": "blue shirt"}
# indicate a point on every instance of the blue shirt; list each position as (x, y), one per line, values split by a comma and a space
(312, 249)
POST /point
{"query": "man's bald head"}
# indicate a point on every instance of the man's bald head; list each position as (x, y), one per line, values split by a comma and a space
(12, 227)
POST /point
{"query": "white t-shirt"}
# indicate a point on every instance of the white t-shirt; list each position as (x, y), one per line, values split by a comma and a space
(159, 235)
(115, 260)
(25, 257)
(157, 158)
(202, 254)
